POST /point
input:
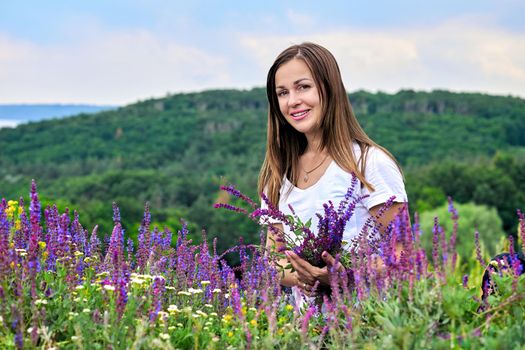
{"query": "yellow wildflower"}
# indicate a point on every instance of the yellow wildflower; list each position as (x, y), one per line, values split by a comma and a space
(203, 314)
(173, 308)
(187, 309)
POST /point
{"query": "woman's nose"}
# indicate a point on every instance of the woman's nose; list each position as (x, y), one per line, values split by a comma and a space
(293, 99)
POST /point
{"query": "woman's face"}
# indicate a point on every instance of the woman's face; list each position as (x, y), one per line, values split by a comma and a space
(298, 96)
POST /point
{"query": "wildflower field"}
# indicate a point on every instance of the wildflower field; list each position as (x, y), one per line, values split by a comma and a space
(64, 287)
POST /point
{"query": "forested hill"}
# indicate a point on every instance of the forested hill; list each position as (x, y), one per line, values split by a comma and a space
(417, 126)
(175, 151)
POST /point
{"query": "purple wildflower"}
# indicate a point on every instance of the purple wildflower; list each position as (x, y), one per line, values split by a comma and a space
(130, 251)
(478, 250)
(230, 207)
(94, 244)
(157, 291)
(453, 237)
(465, 281)
(236, 193)
(19, 339)
(144, 240)
(116, 213)
(5, 226)
(435, 244)
(115, 252)
(21, 236)
(122, 291)
(306, 321)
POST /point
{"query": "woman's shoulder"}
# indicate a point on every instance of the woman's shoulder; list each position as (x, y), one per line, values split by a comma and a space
(374, 155)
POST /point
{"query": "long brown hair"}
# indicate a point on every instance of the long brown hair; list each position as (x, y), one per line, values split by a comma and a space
(339, 126)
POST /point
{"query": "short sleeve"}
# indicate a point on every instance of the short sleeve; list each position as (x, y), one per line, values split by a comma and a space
(383, 174)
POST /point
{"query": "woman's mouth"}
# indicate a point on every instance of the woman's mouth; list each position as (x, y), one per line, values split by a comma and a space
(300, 115)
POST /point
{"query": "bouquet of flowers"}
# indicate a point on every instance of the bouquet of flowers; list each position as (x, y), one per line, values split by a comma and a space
(303, 241)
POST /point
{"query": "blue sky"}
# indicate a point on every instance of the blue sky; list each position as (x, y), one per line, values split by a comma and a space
(117, 52)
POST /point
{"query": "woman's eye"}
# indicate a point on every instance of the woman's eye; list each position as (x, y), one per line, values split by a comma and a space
(281, 93)
(303, 87)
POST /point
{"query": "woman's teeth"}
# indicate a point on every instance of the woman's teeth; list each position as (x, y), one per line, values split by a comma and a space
(299, 114)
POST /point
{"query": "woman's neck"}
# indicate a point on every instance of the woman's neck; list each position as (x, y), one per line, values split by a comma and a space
(314, 144)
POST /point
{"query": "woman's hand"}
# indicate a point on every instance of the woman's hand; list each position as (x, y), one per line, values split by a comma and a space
(308, 275)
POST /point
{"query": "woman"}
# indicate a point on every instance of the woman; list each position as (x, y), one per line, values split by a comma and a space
(314, 144)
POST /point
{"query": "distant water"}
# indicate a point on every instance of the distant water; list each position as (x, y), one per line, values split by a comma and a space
(13, 114)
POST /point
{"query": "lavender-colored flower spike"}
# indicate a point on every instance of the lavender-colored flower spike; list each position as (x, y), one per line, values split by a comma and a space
(116, 213)
(144, 239)
(236, 193)
(478, 250)
(453, 237)
(435, 244)
(230, 207)
(465, 281)
(5, 226)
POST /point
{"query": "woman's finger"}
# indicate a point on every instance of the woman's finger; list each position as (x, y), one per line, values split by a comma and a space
(302, 267)
(330, 261)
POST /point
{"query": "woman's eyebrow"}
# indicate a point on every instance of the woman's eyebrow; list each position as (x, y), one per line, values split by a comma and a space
(294, 83)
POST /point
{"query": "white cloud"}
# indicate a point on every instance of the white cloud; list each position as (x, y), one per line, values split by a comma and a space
(112, 67)
(7, 123)
(299, 19)
(456, 55)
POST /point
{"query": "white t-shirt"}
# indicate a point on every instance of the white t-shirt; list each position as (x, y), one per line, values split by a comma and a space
(381, 172)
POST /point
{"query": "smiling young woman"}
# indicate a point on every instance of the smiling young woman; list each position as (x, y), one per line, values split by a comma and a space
(314, 145)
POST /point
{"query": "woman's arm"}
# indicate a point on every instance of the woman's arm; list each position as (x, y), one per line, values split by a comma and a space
(289, 279)
(389, 215)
